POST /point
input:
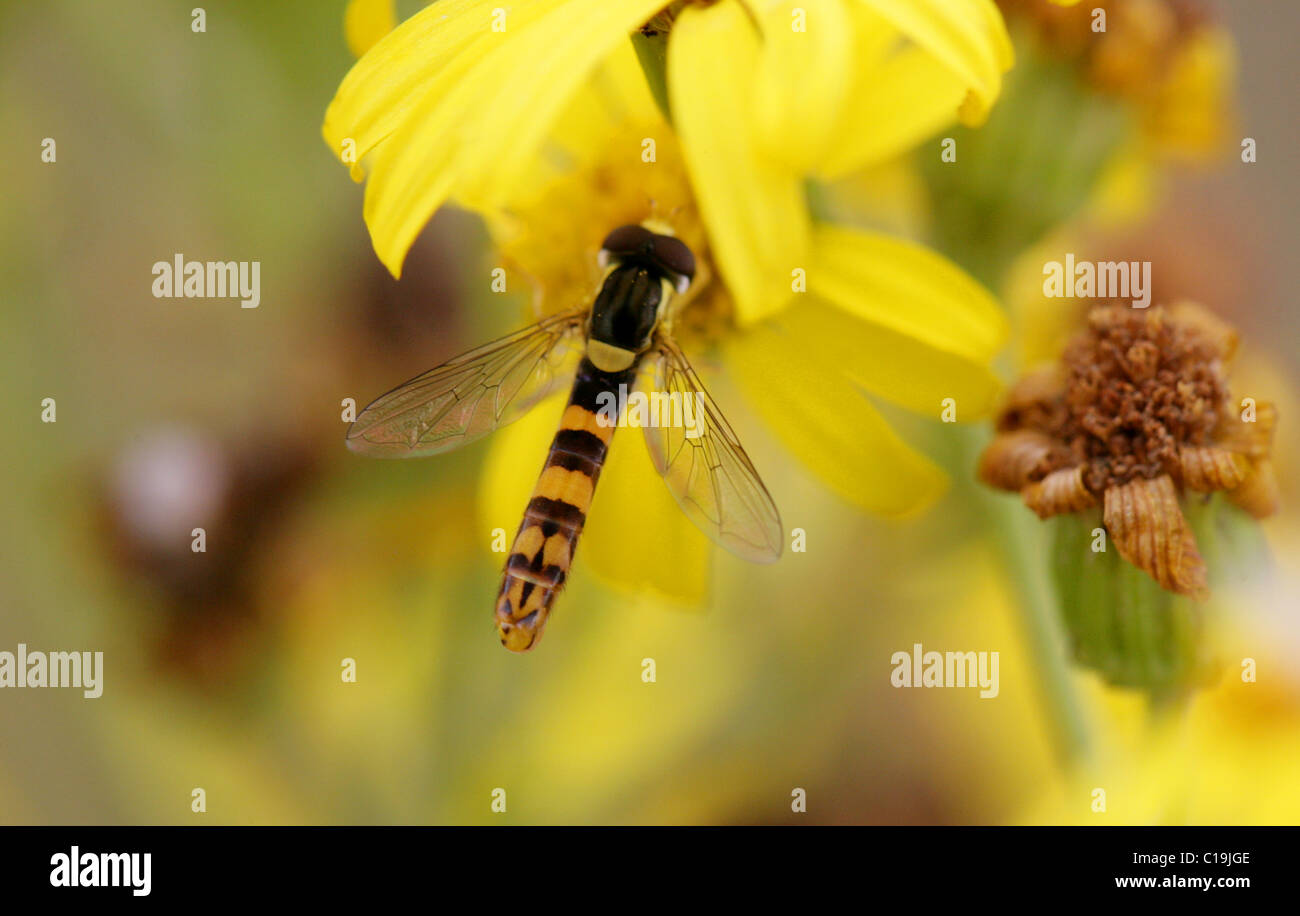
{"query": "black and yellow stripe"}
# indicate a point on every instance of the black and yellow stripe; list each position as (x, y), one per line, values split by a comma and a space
(543, 549)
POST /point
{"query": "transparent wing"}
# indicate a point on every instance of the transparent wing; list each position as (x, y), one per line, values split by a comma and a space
(471, 395)
(705, 467)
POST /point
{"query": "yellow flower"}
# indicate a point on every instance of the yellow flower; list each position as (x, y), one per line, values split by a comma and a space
(447, 109)
(879, 314)
(1230, 757)
(1166, 59)
(455, 103)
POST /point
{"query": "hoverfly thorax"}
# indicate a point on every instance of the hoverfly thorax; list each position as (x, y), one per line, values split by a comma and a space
(643, 271)
(627, 307)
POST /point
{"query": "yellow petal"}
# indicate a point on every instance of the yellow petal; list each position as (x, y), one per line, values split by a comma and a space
(513, 464)
(906, 287)
(367, 21)
(891, 196)
(403, 67)
(475, 112)
(800, 85)
(829, 425)
(753, 207)
(900, 368)
(966, 36)
(529, 84)
(907, 98)
(613, 106)
(614, 98)
(1043, 325)
(635, 538)
(1127, 189)
(1191, 115)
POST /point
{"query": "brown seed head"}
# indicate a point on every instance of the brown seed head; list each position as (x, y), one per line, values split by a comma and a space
(1138, 387)
(1137, 413)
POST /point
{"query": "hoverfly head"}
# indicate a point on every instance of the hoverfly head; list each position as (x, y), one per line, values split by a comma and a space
(652, 246)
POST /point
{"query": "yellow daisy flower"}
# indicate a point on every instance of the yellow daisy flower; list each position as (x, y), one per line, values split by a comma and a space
(455, 102)
(878, 314)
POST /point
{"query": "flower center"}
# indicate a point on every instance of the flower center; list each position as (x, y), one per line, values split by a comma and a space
(1138, 387)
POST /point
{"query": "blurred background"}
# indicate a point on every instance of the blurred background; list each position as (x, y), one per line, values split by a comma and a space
(222, 669)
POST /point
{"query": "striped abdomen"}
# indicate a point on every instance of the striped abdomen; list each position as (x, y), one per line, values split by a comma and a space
(543, 549)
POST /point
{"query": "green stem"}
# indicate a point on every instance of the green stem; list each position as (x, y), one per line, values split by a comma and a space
(1165, 708)
(652, 51)
(1042, 630)
(1019, 539)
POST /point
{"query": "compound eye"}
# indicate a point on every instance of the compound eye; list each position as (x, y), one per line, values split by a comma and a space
(627, 240)
(673, 255)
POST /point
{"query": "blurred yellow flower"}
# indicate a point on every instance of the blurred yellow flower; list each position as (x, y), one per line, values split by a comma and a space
(455, 102)
(1167, 60)
(1229, 758)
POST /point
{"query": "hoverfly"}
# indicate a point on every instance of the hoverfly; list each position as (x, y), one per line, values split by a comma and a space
(624, 337)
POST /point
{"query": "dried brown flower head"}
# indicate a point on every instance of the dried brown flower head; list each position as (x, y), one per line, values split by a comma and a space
(1137, 413)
